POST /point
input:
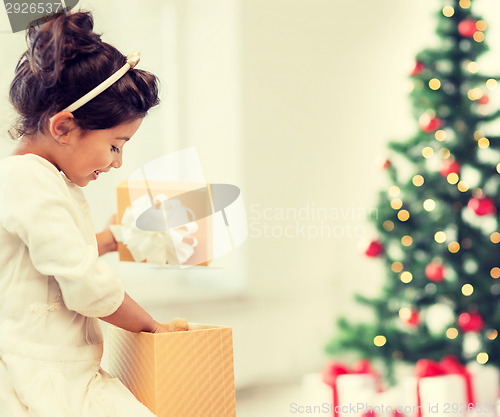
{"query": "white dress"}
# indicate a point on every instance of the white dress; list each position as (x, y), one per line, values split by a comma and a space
(52, 289)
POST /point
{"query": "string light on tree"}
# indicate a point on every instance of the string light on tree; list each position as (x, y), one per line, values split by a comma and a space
(452, 178)
(396, 203)
(427, 152)
(478, 36)
(472, 67)
(388, 226)
(418, 180)
(452, 333)
(440, 237)
(492, 334)
(467, 290)
(495, 272)
(406, 277)
(462, 187)
(454, 247)
(448, 11)
(482, 358)
(483, 143)
(464, 4)
(444, 153)
(475, 94)
(440, 135)
(429, 204)
(403, 215)
(379, 340)
(495, 237)
(407, 240)
(394, 191)
(492, 84)
(434, 84)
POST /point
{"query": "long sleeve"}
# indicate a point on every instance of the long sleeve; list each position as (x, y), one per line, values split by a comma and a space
(37, 205)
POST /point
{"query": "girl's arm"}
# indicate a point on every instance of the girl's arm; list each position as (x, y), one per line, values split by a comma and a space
(132, 317)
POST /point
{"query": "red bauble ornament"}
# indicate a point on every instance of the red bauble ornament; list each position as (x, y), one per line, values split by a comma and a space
(413, 319)
(435, 272)
(467, 28)
(419, 68)
(449, 166)
(387, 164)
(470, 322)
(375, 248)
(429, 123)
(482, 206)
(484, 100)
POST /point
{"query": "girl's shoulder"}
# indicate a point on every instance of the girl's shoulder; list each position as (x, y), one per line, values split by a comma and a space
(26, 159)
(20, 168)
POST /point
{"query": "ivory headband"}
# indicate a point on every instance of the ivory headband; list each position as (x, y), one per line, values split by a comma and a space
(132, 61)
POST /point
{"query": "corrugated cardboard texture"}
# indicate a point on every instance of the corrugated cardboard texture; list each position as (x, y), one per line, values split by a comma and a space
(195, 201)
(178, 374)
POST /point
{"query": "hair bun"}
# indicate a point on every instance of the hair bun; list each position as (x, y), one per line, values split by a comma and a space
(64, 38)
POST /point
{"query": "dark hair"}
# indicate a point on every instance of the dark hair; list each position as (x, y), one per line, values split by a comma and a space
(66, 59)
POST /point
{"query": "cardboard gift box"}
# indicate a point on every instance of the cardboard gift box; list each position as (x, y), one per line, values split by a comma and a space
(177, 374)
(193, 205)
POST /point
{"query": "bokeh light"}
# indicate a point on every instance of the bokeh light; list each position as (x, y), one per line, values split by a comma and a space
(379, 340)
(397, 267)
(429, 204)
(417, 180)
(452, 333)
(440, 237)
(454, 247)
(467, 289)
(406, 277)
(406, 240)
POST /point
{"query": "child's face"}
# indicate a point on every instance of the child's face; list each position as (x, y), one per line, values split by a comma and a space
(95, 152)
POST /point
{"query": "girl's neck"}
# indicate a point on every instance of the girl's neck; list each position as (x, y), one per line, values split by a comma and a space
(35, 145)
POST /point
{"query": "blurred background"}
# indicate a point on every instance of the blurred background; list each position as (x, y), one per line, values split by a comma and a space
(294, 102)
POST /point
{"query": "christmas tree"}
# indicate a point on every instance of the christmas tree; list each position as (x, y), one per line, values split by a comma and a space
(438, 232)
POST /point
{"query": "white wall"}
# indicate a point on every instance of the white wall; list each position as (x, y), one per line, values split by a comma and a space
(294, 101)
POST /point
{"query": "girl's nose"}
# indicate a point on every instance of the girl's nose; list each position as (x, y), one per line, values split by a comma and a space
(117, 161)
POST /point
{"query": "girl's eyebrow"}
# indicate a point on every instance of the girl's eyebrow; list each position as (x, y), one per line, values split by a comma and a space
(122, 138)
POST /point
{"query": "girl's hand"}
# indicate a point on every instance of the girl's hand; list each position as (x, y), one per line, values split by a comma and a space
(160, 328)
(105, 240)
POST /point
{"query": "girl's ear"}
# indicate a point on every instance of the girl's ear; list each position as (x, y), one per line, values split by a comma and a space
(60, 125)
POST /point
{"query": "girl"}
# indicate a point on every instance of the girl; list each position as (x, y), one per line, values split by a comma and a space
(53, 287)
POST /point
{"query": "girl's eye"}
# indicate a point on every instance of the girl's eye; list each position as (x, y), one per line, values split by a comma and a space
(115, 149)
